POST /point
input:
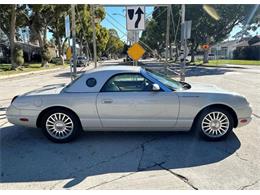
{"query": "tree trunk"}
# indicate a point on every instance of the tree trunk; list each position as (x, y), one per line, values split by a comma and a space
(12, 35)
(80, 47)
(206, 57)
(63, 46)
(194, 48)
(177, 53)
(60, 53)
(59, 47)
(170, 51)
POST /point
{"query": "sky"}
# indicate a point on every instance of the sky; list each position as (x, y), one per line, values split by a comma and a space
(115, 18)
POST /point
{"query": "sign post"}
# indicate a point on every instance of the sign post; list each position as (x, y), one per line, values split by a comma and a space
(135, 22)
(67, 26)
(67, 35)
(185, 34)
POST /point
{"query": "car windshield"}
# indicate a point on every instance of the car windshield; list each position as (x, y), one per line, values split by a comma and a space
(169, 82)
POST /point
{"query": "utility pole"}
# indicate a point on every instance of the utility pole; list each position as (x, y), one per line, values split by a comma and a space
(167, 38)
(73, 29)
(183, 42)
(94, 35)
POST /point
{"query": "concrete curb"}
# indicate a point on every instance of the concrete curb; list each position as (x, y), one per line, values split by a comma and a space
(28, 73)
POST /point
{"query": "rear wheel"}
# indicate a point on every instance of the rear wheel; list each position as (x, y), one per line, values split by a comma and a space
(60, 126)
(215, 123)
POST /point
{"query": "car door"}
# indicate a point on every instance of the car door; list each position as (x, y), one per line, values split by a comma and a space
(127, 100)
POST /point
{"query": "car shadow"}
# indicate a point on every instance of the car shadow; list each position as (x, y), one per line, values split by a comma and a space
(27, 156)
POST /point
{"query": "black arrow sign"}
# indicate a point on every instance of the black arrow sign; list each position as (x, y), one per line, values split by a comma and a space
(139, 12)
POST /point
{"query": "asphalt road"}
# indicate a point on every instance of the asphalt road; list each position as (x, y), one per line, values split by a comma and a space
(128, 160)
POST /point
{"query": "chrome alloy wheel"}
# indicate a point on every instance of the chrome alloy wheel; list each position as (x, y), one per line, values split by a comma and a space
(59, 125)
(215, 124)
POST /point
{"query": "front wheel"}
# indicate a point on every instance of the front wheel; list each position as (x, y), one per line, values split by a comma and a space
(60, 126)
(215, 123)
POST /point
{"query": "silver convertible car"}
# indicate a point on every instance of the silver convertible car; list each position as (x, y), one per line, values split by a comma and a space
(116, 98)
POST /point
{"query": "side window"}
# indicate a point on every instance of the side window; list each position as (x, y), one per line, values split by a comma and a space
(91, 82)
(127, 83)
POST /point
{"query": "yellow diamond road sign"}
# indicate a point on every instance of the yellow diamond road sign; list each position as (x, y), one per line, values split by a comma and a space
(68, 53)
(136, 51)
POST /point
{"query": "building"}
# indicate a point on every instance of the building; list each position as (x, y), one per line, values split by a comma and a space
(225, 50)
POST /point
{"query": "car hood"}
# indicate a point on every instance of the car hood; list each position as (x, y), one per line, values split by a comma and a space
(46, 90)
(208, 88)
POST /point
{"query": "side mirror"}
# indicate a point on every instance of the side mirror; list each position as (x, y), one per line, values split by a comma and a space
(156, 87)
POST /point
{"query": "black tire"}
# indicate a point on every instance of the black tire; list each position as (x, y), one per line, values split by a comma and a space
(73, 132)
(205, 135)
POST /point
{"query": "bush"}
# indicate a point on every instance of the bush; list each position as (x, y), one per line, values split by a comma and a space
(57, 61)
(18, 56)
(247, 53)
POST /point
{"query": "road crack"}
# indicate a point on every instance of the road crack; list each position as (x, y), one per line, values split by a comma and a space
(257, 116)
(249, 185)
(121, 155)
(123, 176)
(141, 158)
(238, 156)
(181, 177)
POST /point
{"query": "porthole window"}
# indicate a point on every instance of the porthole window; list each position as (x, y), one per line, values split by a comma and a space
(91, 82)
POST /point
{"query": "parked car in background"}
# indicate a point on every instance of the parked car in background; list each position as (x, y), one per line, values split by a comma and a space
(128, 59)
(128, 98)
(103, 58)
(82, 61)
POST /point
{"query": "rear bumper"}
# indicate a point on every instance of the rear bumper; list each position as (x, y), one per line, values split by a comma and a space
(15, 117)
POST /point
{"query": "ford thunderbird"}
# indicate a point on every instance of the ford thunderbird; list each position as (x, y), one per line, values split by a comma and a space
(116, 98)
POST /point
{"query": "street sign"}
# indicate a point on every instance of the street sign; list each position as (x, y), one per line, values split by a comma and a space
(136, 51)
(67, 26)
(135, 18)
(130, 36)
(186, 30)
(68, 53)
(133, 36)
(205, 46)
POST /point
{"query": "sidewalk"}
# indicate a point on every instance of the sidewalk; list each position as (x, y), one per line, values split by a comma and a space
(32, 72)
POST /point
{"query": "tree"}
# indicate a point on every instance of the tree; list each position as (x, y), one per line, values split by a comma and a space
(18, 56)
(84, 28)
(12, 35)
(114, 45)
(57, 26)
(9, 24)
(205, 30)
(40, 19)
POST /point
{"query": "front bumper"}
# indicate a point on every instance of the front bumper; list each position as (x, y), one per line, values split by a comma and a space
(244, 115)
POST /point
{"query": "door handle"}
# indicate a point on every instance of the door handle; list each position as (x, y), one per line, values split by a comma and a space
(107, 101)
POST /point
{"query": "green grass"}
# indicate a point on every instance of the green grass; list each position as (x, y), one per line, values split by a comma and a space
(235, 62)
(5, 69)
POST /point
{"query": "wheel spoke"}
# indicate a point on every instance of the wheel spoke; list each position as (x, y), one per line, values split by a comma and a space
(215, 124)
(59, 125)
